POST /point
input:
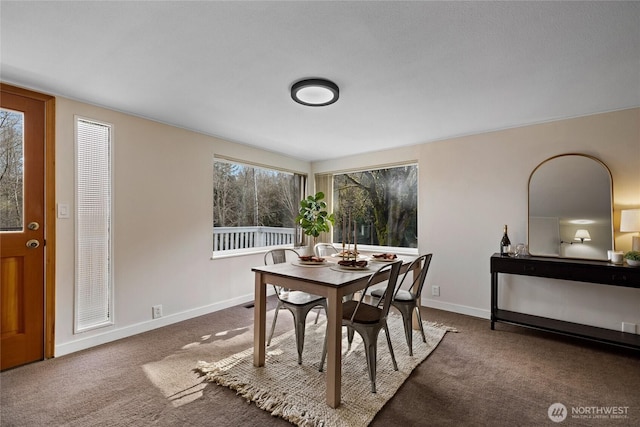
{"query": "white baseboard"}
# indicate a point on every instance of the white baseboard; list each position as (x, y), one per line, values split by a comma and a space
(116, 334)
(119, 333)
(457, 308)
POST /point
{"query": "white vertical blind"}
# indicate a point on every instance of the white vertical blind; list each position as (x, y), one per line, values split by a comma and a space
(93, 302)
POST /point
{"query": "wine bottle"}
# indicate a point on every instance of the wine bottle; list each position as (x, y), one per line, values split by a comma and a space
(505, 243)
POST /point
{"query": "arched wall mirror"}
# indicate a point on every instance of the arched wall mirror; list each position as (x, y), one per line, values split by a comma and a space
(570, 208)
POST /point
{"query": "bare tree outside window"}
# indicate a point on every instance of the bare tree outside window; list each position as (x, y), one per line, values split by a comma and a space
(11, 170)
(383, 203)
(259, 203)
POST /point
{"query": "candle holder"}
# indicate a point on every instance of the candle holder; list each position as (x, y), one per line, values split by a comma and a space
(346, 253)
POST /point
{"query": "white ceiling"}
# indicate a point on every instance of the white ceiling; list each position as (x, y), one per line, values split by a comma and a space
(409, 72)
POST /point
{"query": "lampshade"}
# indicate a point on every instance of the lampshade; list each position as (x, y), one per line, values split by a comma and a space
(630, 220)
(315, 92)
(582, 235)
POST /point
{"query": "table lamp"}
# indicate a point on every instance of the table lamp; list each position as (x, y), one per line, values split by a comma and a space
(630, 223)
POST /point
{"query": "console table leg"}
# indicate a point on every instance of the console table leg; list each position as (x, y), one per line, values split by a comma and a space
(494, 299)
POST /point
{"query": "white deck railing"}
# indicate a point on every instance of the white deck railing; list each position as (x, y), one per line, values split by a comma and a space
(228, 238)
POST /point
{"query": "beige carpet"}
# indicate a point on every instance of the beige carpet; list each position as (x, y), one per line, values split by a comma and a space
(297, 392)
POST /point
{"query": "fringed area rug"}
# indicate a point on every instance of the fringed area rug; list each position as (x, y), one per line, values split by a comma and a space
(297, 392)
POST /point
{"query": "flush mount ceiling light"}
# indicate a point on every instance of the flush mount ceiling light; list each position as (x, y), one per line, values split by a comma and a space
(582, 221)
(315, 92)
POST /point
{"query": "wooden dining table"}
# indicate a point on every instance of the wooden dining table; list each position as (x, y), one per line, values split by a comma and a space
(325, 281)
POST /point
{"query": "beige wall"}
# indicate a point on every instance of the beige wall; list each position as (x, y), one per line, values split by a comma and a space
(469, 187)
(163, 219)
(479, 183)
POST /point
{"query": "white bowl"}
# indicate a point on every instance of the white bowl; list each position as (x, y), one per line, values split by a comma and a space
(633, 263)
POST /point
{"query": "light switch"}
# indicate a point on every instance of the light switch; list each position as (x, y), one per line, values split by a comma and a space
(63, 210)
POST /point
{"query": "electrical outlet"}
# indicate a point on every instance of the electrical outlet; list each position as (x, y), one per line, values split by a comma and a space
(629, 327)
(435, 291)
(156, 311)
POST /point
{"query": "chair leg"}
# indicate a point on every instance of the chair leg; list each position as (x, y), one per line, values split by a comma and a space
(273, 324)
(371, 351)
(350, 333)
(424, 338)
(408, 331)
(370, 341)
(324, 350)
(393, 357)
(300, 317)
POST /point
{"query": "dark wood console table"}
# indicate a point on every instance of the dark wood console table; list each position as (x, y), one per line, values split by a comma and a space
(599, 272)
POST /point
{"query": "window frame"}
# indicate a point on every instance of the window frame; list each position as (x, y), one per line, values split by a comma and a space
(22, 225)
(109, 321)
(298, 236)
(400, 250)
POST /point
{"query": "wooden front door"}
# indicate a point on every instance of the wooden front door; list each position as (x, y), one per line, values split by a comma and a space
(22, 229)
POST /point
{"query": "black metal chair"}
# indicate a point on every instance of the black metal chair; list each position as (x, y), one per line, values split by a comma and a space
(408, 300)
(324, 249)
(297, 302)
(368, 320)
(327, 249)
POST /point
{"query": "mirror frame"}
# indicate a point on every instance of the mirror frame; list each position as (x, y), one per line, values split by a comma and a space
(606, 168)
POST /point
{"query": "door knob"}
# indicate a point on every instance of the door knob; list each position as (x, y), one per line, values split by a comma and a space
(33, 243)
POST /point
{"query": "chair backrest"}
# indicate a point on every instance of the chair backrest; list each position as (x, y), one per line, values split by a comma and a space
(418, 282)
(393, 269)
(324, 249)
(278, 256)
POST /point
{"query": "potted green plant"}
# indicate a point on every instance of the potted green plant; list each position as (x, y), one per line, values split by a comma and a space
(633, 258)
(313, 216)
